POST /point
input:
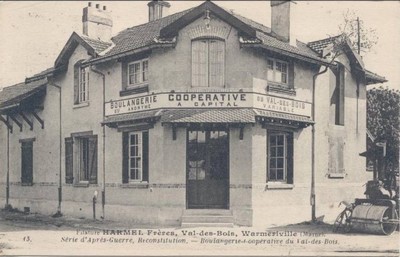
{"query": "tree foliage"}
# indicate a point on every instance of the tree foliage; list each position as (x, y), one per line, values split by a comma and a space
(383, 120)
(352, 27)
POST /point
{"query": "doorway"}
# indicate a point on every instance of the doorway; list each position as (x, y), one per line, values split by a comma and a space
(207, 175)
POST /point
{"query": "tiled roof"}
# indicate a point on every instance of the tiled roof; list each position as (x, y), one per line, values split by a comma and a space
(209, 116)
(16, 93)
(319, 45)
(144, 35)
(141, 35)
(98, 46)
(278, 45)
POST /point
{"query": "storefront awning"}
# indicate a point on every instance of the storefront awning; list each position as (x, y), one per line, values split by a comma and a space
(232, 116)
(283, 118)
(116, 120)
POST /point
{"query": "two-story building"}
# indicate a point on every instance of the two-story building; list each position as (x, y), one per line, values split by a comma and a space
(202, 117)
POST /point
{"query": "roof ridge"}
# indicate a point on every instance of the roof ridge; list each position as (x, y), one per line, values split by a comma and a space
(328, 38)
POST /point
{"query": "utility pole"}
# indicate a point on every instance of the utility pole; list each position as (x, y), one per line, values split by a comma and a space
(358, 36)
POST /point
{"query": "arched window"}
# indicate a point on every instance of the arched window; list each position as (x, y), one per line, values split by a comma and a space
(208, 63)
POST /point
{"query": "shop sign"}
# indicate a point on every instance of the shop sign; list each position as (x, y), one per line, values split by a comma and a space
(199, 100)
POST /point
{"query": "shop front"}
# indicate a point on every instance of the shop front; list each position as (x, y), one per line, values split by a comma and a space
(218, 145)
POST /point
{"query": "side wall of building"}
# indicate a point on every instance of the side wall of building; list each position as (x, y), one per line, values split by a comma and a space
(42, 195)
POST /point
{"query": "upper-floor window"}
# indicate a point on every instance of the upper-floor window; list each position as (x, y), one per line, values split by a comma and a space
(208, 63)
(338, 97)
(81, 84)
(278, 71)
(138, 72)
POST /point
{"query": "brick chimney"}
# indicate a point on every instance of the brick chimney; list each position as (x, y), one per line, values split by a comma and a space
(158, 9)
(97, 22)
(280, 21)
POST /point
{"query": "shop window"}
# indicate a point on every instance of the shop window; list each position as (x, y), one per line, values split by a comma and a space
(81, 159)
(81, 84)
(135, 156)
(280, 157)
(138, 73)
(26, 161)
(338, 97)
(208, 63)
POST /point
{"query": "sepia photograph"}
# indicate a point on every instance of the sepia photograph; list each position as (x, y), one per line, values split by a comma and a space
(199, 128)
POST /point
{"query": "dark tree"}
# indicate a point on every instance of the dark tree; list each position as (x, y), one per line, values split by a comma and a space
(383, 121)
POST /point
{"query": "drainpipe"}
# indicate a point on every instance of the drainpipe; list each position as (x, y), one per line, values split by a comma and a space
(312, 196)
(8, 168)
(60, 152)
(103, 191)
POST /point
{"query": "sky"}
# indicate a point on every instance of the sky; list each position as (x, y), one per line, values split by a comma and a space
(34, 33)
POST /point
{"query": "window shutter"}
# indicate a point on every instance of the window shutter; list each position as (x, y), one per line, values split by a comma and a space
(217, 57)
(340, 155)
(93, 159)
(125, 157)
(332, 156)
(124, 79)
(76, 82)
(291, 74)
(200, 63)
(341, 96)
(290, 163)
(145, 151)
(26, 162)
(69, 170)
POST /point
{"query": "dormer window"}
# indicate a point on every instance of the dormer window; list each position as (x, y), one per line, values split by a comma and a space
(138, 72)
(208, 63)
(278, 71)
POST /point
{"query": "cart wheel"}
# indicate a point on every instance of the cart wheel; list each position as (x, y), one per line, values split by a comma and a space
(342, 222)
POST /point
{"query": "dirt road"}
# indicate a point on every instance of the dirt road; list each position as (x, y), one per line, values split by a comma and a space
(31, 234)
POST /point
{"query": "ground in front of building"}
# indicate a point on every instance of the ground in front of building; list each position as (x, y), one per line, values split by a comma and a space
(34, 234)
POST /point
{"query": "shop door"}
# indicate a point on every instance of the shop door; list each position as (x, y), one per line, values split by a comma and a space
(207, 184)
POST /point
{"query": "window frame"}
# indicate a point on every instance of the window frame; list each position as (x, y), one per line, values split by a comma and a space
(275, 61)
(81, 159)
(141, 73)
(139, 144)
(83, 85)
(285, 157)
(82, 149)
(208, 58)
(144, 179)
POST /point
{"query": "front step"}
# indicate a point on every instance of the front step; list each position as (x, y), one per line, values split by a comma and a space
(207, 218)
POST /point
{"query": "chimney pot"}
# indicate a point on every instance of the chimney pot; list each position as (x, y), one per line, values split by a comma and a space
(158, 9)
(97, 22)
